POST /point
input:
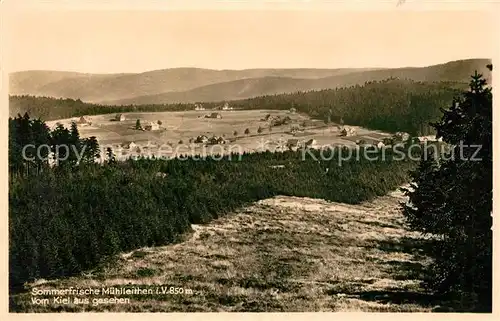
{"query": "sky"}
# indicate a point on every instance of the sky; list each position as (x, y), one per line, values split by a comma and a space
(138, 41)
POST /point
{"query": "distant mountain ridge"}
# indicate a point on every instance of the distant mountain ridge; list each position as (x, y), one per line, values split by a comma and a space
(102, 87)
(194, 84)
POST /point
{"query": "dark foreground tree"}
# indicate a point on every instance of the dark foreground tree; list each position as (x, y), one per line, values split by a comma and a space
(452, 199)
(29, 144)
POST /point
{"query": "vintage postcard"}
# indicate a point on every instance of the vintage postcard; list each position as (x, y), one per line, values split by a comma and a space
(270, 156)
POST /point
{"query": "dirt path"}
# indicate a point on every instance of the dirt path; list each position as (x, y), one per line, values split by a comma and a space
(280, 254)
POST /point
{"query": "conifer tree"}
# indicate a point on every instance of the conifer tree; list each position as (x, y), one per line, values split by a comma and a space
(60, 142)
(91, 151)
(41, 138)
(110, 156)
(453, 199)
(75, 144)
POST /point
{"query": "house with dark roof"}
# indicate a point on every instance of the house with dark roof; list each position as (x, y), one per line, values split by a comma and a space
(214, 115)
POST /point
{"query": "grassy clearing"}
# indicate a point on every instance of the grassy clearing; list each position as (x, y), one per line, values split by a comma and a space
(279, 254)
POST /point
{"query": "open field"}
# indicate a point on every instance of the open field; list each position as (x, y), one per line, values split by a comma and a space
(279, 254)
(182, 126)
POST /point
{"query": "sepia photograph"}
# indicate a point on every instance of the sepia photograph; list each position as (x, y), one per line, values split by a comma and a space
(249, 160)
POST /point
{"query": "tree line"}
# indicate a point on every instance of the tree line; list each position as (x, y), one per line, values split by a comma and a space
(33, 147)
(49, 108)
(391, 105)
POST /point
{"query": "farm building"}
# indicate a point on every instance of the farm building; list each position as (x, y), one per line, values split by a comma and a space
(278, 121)
(201, 139)
(214, 115)
(216, 140)
(152, 126)
(120, 117)
(226, 107)
(347, 131)
(129, 145)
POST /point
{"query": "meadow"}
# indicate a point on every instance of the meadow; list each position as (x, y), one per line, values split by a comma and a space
(280, 254)
(178, 129)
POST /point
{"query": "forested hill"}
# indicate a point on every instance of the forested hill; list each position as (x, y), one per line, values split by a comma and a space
(391, 105)
(455, 71)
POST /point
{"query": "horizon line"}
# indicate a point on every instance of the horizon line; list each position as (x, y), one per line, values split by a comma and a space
(246, 69)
